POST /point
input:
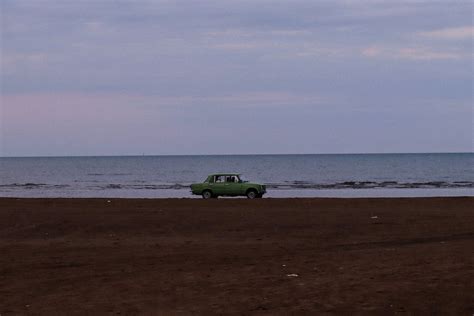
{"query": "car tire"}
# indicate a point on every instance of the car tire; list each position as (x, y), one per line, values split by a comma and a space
(252, 194)
(206, 194)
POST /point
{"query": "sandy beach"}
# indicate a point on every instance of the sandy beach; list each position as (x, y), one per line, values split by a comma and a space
(236, 256)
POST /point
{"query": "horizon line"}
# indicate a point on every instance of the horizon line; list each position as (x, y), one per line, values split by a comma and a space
(233, 154)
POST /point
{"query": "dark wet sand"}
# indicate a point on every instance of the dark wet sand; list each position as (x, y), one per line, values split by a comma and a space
(235, 256)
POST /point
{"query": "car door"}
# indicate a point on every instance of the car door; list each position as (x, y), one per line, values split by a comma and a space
(228, 185)
(232, 185)
(218, 187)
(240, 184)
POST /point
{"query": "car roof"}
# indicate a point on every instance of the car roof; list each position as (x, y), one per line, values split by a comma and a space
(224, 174)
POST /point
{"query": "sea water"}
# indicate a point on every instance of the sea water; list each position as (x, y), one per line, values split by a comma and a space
(325, 175)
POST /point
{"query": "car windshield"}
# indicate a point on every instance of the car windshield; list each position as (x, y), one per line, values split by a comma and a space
(243, 179)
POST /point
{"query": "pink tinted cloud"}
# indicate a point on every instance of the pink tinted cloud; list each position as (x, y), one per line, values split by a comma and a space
(71, 123)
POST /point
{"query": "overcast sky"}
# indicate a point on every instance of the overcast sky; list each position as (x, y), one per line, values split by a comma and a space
(215, 77)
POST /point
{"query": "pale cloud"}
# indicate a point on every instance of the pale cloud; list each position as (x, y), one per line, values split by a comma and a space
(420, 46)
(121, 101)
(416, 53)
(412, 53)
(454, 33)
(264, 98)
(238, 46)
(245, 33)
(371, 51)
(12, 63)
(14, 60)
(309, 51)
(280, 44)
(273, 41)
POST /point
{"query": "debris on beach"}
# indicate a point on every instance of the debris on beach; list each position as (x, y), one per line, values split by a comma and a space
(292, 275)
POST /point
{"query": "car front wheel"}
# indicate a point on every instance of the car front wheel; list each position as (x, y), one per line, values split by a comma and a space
(251, 194)
(206, 194)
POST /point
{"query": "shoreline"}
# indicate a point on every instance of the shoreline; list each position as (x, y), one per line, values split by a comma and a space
(238, 198)
(280, 193)
(237, 256)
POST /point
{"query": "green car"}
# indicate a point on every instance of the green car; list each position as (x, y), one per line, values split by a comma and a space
(227, 184)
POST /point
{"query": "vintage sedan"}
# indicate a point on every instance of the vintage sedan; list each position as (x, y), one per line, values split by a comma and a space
(227, 184)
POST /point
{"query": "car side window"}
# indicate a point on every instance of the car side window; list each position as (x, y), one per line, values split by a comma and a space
(219, 179)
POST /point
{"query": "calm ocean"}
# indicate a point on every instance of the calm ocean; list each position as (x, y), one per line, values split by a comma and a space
(285, 175)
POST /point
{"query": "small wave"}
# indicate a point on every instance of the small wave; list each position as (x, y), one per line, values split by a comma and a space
(174, 186)
(113, 186)
(109, 174)
(371, 185)
(86, 181)
(33, 185)
(23, 185)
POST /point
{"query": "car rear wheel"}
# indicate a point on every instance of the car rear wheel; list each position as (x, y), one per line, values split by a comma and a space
(206, 195)
(251, 194)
